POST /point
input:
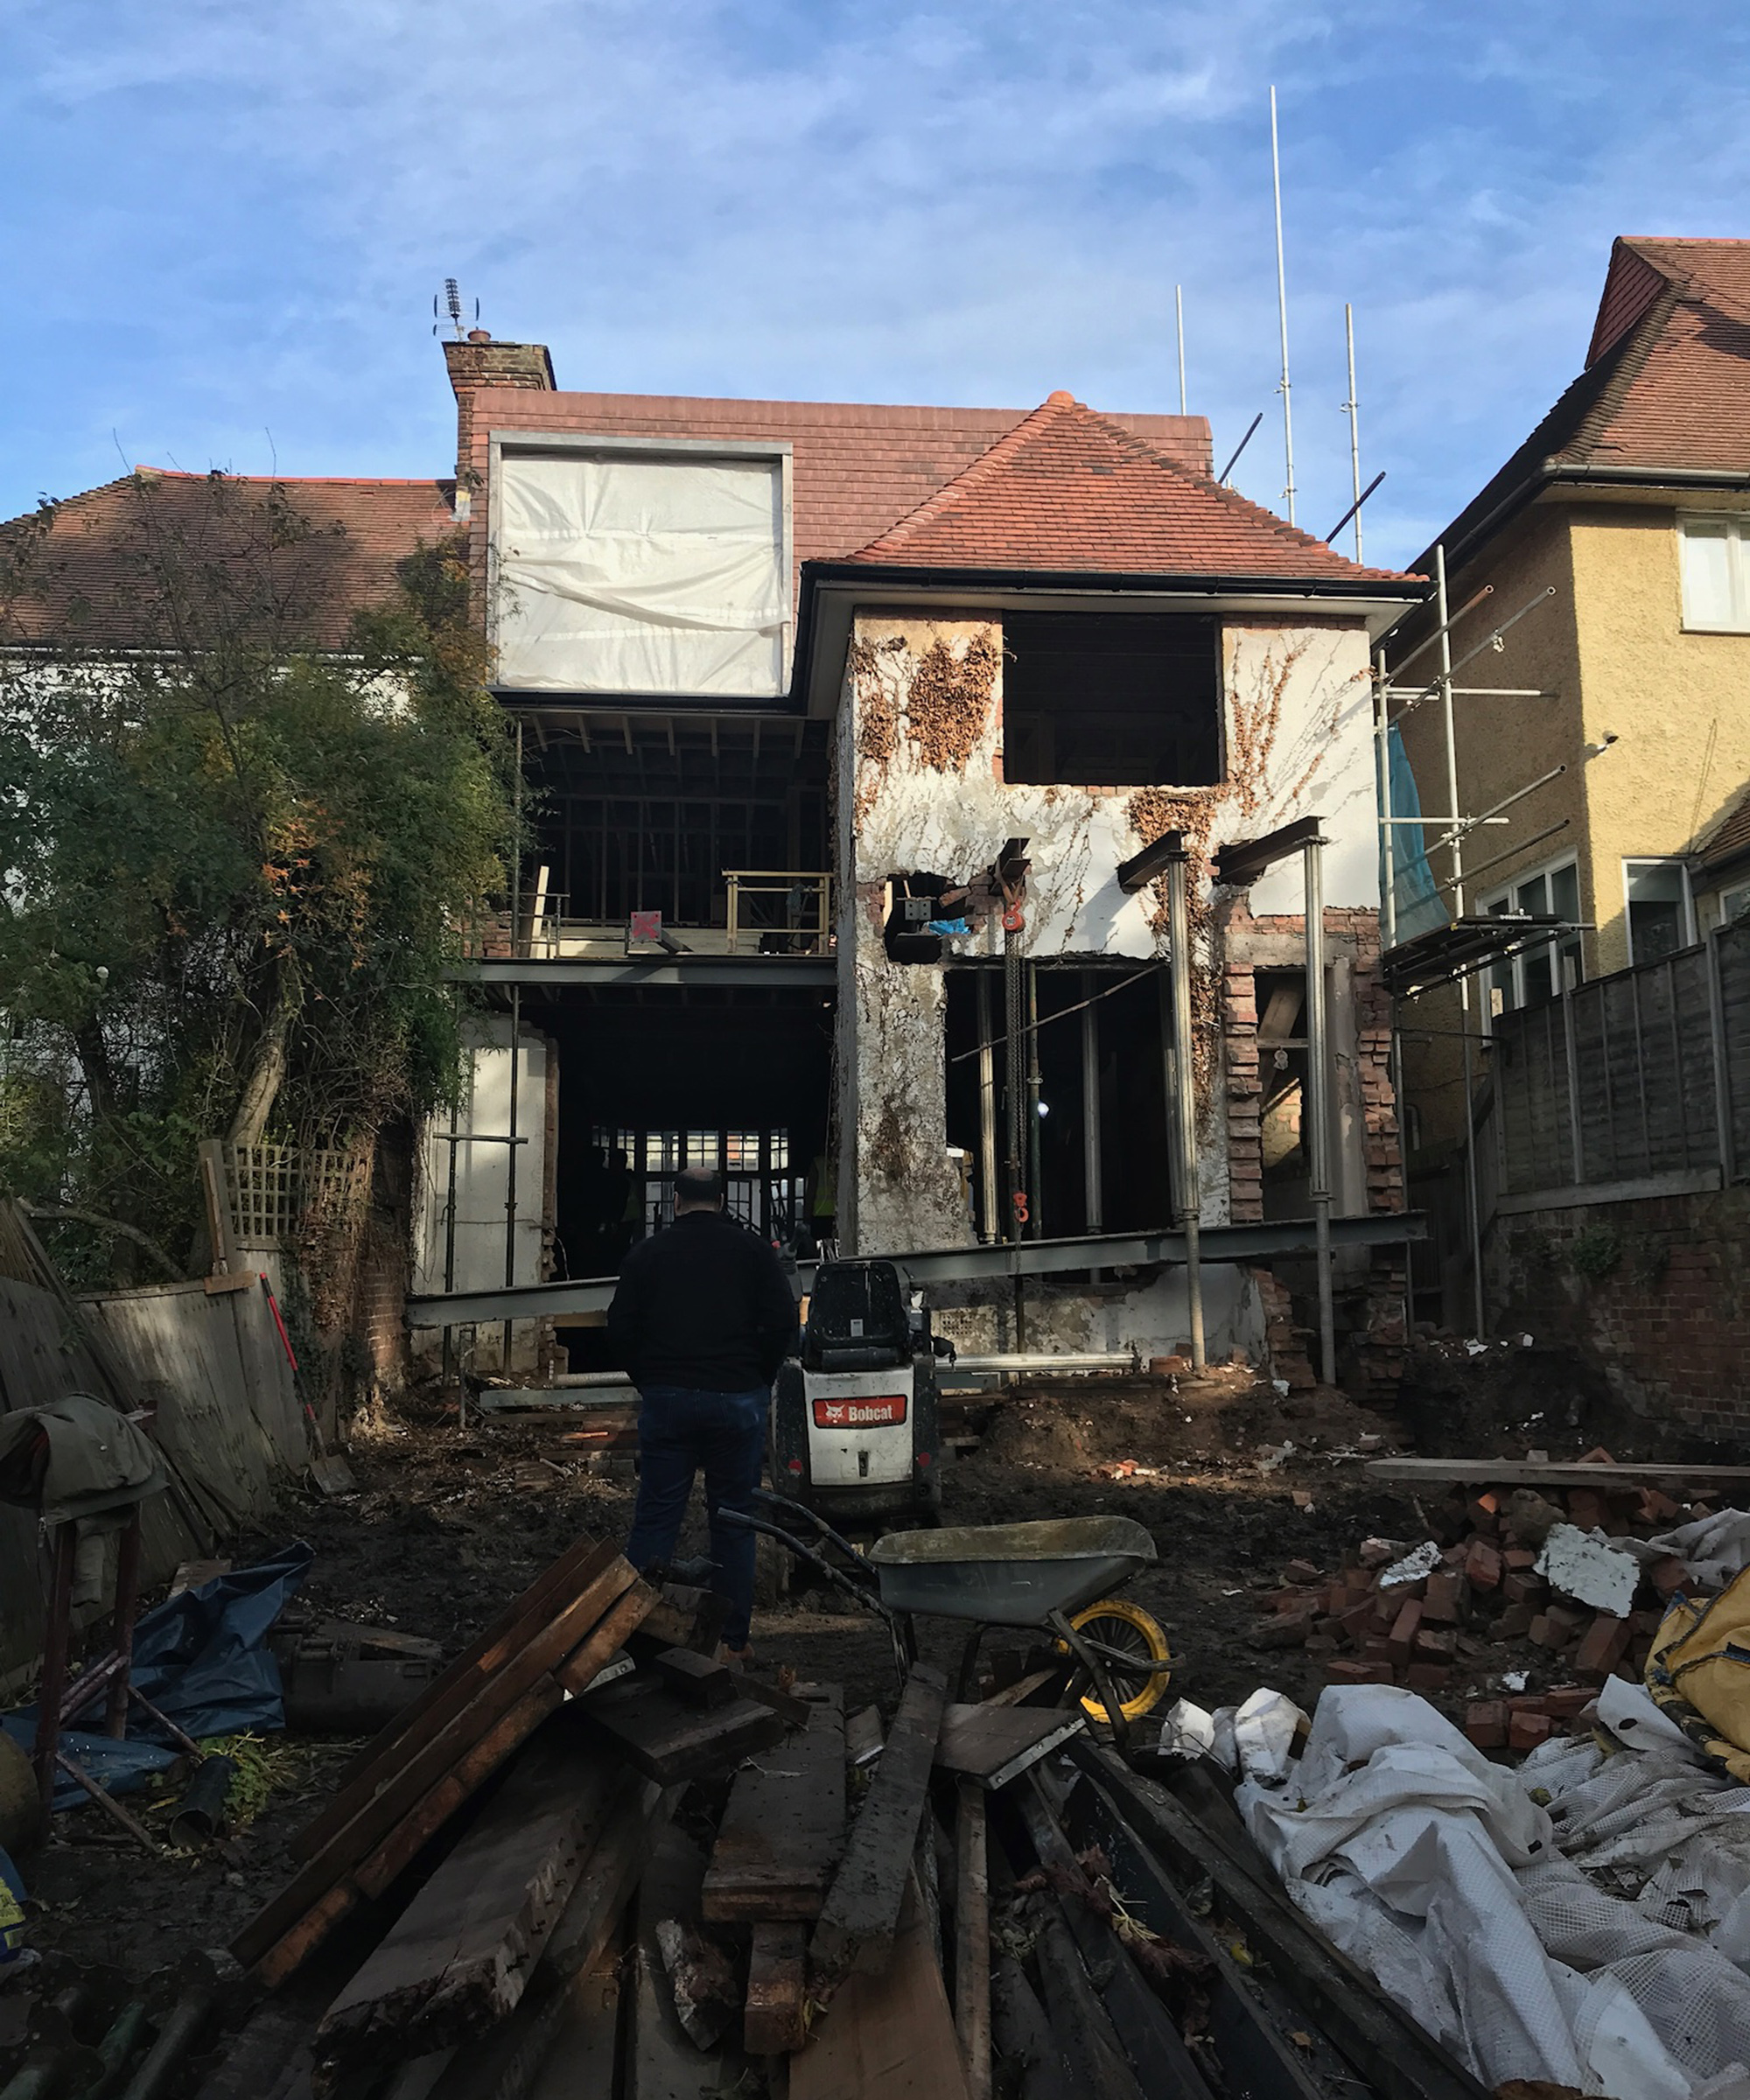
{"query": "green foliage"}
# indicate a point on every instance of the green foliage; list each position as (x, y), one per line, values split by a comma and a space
(1594, 1252)
(236, 863)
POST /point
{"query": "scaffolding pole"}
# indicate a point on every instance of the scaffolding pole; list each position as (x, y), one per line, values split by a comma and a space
(1317, 1102)
(1182, 1105)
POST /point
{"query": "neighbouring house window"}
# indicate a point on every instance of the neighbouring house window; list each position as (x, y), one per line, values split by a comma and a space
(1547, 968)
(1660, 910)
(1733, 904)
(1100, 700)
(1715, 565)
(643, 572)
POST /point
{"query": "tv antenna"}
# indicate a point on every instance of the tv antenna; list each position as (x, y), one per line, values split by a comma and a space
(452, 303)
(1282, 309)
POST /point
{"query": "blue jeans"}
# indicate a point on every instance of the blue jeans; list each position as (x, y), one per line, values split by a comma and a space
(680, 1430)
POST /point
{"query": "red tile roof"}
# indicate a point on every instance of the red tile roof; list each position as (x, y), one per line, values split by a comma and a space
(1068, 490)
(86, 576)
(1727, 839)
(856, 467)
(1666, 387)
(1680, 397)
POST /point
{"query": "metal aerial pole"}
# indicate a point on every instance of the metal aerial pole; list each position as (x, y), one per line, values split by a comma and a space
(1179, 314)
(1352, 409)
(1282, 310)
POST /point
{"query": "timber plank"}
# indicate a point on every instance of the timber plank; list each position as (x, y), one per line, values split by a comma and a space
(669, 1741)
(994, 1744)
(861, 1913)
(783, 1831)
(664, 2064)
(1519, 1473)
(399, 1819)
(428, 1816)
(459, 1956)
(886, 2037)
(554, 2041)
(972, 1938)
(578, 1567)
(1381, 2041)
(775, 2022)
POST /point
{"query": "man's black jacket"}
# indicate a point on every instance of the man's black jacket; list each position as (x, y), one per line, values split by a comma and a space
(706, 1305)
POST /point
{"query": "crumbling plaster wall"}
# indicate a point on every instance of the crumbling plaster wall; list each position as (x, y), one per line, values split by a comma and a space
(921, 787)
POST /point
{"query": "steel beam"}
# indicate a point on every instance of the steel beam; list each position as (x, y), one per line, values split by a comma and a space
(952, 1264)
(764, 973)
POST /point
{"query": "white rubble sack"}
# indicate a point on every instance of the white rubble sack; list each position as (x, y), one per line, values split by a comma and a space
(1263, 1736)
(1188, 1730)
(1437, 1871)
(1588, 1567)
(1714, 1549)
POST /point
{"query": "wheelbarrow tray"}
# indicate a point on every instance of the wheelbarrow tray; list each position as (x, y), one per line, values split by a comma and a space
(1009, 1574)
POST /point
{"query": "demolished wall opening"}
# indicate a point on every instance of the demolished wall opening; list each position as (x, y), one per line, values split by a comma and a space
(633, 814)
(1101, 700)
(1103, 1053)
(674, 1077)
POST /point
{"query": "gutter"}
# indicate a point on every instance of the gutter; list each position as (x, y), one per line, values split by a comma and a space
(1554, 471)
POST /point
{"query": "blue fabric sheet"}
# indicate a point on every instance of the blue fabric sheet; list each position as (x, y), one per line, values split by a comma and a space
(202, 1660)
(1403, 856)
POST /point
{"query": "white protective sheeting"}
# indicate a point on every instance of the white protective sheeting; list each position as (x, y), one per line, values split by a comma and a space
(640, 574)
(1439, 1874)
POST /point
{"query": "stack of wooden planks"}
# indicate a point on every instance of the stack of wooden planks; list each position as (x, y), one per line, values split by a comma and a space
(555, 1640)
(679, 1881)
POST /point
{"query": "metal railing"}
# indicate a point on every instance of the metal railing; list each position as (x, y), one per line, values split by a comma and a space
(1640, 1078)
(774, 911)
(765, 911)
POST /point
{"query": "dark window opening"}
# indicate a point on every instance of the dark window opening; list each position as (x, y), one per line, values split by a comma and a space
(1103, 1152)
(649, 815)
(1096, 700)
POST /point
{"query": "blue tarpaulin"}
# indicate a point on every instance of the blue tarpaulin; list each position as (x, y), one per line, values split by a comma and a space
(202, 1660)
(1403, 856)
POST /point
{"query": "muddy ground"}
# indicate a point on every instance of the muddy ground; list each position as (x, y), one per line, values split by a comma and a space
(450, 1523)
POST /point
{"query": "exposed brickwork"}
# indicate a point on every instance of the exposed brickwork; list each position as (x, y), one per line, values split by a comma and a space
(1285, 1344)
(1245, 1094)
(474, 367)
(1657, 1292)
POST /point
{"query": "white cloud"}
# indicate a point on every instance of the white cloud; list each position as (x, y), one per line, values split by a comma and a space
(242, 213)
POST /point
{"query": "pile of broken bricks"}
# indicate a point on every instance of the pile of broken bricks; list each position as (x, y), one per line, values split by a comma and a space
(1502, 1567)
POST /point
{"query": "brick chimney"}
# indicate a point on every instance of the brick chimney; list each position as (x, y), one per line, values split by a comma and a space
(479, 362)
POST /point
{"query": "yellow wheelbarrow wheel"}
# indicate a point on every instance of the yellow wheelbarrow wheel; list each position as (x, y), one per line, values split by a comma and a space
(1114, 1622)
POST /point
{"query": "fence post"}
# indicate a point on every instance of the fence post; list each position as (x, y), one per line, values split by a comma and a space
(1571, 1051)
(215, 1188)
(1725, 1135)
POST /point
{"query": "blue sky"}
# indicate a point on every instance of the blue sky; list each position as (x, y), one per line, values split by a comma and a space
(225, 223)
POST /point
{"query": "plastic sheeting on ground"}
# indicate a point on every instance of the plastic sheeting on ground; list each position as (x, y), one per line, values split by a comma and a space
(202, 1660)
(1581, 1920)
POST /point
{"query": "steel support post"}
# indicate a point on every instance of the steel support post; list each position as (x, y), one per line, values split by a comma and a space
(1035, 1195)
(1184, 1100)
(988, 1204)
(1316, 1103)
(510, 1165)
(1091, 1195)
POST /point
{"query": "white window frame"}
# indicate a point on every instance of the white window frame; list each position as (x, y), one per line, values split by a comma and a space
(1732, 901)
(778, 453)
(1659, 860)
(1503, 895)
(1733, 527)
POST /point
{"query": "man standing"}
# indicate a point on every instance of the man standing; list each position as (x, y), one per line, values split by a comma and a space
(702, 1319)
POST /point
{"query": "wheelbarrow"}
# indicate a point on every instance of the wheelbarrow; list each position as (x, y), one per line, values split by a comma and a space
(1053, 1577)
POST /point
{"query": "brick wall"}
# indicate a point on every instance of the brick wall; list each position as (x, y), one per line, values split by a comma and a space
(1655, 1293)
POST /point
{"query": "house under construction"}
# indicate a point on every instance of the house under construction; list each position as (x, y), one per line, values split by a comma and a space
(856, 745)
